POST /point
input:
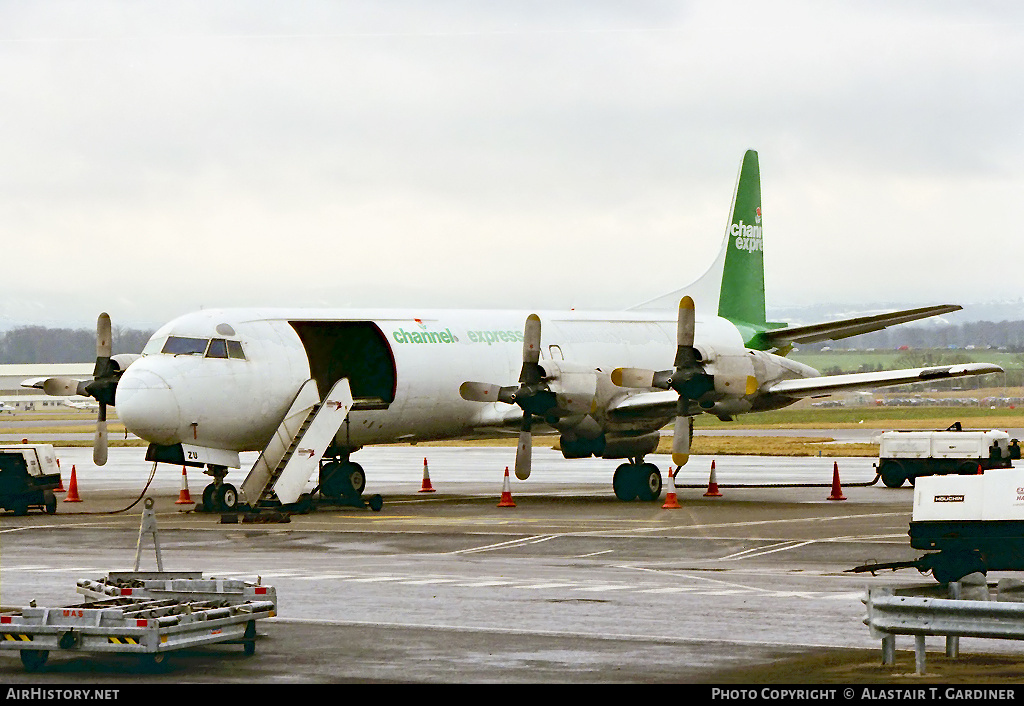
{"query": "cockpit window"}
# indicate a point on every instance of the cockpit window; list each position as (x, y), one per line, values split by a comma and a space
(215, 348)
(218, 349)
(235, 350)
(178, 345)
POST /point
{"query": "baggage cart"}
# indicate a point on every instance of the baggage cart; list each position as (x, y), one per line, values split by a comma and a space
(139, 623)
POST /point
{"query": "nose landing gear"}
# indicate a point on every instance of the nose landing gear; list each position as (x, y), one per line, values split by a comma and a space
(219, 496)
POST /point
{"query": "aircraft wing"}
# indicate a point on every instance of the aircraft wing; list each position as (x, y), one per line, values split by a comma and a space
(845, 328)
(654, 405)
(827, 384)
(645, 405)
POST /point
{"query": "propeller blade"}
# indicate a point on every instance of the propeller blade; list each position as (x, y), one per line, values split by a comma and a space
(479, 392)
(686, 324)
(99, 445)
(531, 339)
(751, 385)
(531, 373)
(633, 377)
(681, 440)
(103, 336)
(59, 387)
(524, 453)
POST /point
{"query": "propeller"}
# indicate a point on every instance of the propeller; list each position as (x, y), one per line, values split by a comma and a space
(532, 394)
(102, 387)
(688, 378)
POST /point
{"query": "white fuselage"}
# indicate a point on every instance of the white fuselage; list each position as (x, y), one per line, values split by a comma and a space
(236, 403)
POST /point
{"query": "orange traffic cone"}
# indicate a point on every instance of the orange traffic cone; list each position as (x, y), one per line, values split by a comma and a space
(712, 485)
(981, 471)
(183, 497)
(72, 496)
(671, 503)
(837, 492)
(506, 493)
(426, 487)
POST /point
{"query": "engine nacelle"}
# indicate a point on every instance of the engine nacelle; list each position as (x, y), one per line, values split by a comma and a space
(574, 386)
(630, 446)
(123, 360)
(731, 369)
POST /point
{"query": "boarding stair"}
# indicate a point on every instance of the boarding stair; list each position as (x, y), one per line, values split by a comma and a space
(287, 463)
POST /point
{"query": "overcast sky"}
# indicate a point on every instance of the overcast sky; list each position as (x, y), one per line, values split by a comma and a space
(160, 157)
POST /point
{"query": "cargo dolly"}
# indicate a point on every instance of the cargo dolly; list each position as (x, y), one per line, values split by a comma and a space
(145, 613)
(131, 625)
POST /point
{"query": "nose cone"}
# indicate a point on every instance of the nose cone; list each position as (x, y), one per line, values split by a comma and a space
(147, 406)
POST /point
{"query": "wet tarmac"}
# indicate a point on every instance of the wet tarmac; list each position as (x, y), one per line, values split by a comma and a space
(569, 586)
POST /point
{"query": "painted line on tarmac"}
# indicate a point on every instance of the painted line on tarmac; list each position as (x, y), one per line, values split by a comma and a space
(770, 549)
(706, 579)
(512, 543)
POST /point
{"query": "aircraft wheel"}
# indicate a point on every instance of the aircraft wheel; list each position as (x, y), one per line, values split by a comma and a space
(624, 482)
(227, 497)
(892, 474)
(649, 482)
(331, 483)
(354, 479)
(210, 497)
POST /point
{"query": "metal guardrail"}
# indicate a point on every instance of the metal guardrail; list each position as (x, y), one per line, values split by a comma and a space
(970, 611)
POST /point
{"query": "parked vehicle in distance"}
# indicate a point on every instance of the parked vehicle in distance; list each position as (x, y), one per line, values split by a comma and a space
(29, 473)
(906, 455)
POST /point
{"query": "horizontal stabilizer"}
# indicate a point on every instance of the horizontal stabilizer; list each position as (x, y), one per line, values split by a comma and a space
(834, 330)
(827, 384)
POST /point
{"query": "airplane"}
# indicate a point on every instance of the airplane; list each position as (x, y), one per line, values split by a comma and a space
(214, 383)
(83, 404)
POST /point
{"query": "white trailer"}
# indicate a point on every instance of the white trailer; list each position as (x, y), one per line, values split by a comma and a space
(145, 614)
(908, 455)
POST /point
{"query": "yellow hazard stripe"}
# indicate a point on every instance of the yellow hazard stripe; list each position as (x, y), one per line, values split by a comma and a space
(122, 640)
(16, 638)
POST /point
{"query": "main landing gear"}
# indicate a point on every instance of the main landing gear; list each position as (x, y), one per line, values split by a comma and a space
(343, 481)
(637, 480)
(340, 479)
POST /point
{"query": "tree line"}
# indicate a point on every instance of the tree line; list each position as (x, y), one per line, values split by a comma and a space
(41, 344)
(1007, 335)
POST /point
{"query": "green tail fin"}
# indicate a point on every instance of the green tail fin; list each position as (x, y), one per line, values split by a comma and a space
(742, 295)
(741, 299)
